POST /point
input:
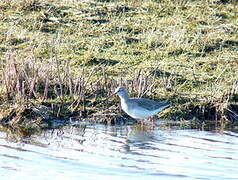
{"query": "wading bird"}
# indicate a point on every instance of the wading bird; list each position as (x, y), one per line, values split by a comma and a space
(140, 108)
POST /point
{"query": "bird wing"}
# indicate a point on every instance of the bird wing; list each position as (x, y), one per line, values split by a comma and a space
(150, 104)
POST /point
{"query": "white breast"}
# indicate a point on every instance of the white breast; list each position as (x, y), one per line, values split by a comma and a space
(137, 112)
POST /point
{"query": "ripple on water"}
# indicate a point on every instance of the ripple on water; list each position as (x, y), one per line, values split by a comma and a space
(127, 152)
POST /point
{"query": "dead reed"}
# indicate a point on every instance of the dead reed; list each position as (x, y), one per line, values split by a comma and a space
(31, 80)
(36, 91)
(35, 81)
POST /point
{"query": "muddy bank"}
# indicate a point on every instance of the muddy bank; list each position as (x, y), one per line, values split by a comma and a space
(34, 118)
(29, 119)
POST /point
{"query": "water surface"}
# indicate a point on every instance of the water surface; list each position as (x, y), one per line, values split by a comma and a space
(120, 152)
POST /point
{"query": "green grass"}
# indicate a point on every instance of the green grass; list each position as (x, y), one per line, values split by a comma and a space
(187, 49)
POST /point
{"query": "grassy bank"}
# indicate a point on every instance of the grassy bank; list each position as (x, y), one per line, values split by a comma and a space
(63, 58)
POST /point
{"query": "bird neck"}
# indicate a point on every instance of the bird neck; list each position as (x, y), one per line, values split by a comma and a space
(125, 97)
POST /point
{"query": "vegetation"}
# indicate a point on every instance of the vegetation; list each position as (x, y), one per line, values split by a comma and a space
(62, 59)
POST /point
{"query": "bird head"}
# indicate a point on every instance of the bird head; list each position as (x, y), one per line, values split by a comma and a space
(121, 92)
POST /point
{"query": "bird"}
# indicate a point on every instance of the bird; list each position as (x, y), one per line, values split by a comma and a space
(140, 108)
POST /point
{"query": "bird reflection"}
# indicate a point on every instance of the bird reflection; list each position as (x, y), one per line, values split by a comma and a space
(134, 137)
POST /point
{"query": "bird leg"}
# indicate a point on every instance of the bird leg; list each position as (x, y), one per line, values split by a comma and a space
(153, 121)
(142, 123)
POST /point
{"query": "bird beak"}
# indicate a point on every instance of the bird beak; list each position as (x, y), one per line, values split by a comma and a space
(113, 94)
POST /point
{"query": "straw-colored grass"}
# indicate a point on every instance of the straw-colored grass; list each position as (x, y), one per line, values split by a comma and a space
(67, 51)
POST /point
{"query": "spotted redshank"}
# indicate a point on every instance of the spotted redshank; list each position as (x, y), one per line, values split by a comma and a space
(140, 108)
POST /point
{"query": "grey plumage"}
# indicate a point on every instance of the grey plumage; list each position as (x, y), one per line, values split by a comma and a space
(149, 104)
(139, 108)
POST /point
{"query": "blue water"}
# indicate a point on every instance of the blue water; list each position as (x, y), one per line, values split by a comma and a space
(119, 152)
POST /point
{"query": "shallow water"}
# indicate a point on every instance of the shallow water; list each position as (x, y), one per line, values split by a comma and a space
(120, 152)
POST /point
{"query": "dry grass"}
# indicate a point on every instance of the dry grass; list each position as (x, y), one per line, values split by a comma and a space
(74, 53)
